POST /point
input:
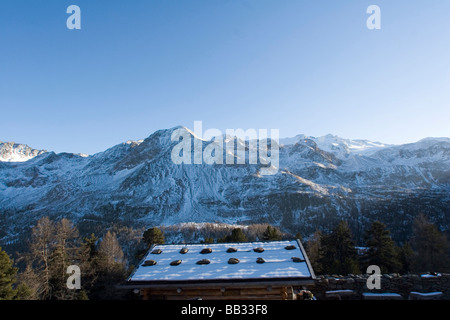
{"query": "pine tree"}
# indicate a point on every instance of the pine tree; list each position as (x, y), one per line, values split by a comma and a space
(406, 257)
(382, 250)
(82, 295)
(31, 284)
(271, 234)
(208, 240)
(89, 260)
(153, 236)
(150, 237)
(337, 251)
(7, 277)
(237, 235)
(88, 250)
(312, 248)
(431, 246)
(23, 292)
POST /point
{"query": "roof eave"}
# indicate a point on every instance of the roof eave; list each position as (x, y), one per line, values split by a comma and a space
(218, 283)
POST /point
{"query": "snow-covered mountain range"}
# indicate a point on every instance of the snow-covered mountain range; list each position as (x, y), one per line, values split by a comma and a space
(337, 145)
(319, 181)
(13, 152)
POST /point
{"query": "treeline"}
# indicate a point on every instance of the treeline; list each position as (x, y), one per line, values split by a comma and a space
(107, 260)
(210, 233)
(214, 232)
(53, 246)
(335, 253)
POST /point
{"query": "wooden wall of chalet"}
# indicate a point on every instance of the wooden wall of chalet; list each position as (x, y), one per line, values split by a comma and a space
(220, 293)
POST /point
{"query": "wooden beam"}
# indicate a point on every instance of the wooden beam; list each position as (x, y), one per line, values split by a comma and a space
(222, 293)
(228, 284)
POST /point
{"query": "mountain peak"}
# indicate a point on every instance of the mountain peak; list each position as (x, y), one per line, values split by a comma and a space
(435, 139)
(139, 184)
(16, 152)
(337, 145)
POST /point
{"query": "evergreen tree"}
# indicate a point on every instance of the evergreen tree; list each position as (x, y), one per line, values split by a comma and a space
(82, 295)
(153, 236)
(271, 234)
(23, 292)
(7, 277)
(431, 246)
(237, 235)
(88, 250)
(382, 250)
(150, 237)
(31, 284)
(208, 240)
(337, 251)
(313, 250)
(406, 257)
(89, 262)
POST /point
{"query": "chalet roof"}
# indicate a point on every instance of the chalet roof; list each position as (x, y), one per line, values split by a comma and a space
(224, 261)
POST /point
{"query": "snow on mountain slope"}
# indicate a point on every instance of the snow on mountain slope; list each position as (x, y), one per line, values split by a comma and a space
(425, 150)
(13, 152)
(317, 184)
(341, 147)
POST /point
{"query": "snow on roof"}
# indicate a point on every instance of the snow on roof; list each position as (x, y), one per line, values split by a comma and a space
(426, 294)
(430, 275)
(278, 262)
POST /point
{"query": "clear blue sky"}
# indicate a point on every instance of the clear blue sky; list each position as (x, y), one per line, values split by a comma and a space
(137, 66)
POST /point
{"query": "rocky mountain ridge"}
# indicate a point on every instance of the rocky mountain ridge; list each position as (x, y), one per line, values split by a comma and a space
(318, 182)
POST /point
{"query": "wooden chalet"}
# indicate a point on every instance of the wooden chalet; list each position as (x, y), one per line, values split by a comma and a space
(272, 270)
